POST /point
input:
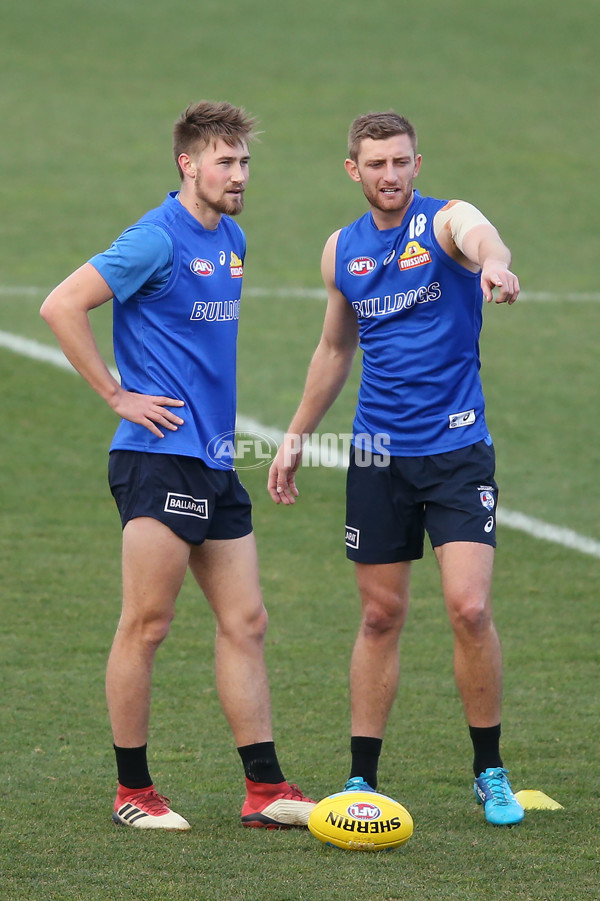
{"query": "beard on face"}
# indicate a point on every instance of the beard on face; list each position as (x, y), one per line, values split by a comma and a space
(375, 199)
(234, 204)
(230, 204)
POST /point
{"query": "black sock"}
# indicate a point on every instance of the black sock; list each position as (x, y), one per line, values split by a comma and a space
(260, 762)
(486, 746)
(365, 757)
(132, 767)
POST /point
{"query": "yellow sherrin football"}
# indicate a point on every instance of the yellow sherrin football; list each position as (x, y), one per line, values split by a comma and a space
(361, 821)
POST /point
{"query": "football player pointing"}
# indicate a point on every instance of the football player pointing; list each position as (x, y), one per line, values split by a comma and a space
(407, 280)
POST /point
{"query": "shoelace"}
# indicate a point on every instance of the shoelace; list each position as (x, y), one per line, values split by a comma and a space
(358, 786)
(151, 801)
(295, 794)
(498, 786)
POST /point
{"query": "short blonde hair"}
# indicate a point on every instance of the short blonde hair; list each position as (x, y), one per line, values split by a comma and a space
(205, 122)
(378, 126)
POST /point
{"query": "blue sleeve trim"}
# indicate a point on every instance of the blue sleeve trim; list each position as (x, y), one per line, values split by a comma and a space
(138, 262)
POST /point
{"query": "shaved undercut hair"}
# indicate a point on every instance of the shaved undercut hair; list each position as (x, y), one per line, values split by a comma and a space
(206, 122)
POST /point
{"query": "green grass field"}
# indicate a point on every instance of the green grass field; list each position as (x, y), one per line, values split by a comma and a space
(505, 98)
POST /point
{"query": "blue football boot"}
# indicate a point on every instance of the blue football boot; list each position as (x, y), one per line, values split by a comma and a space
(358, 784)
(492, 789)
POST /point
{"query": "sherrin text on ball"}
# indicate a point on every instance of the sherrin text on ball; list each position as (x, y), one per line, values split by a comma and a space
(361, 821)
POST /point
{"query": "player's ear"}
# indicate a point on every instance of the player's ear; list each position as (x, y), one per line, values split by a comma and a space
(418, 161)
(352, 170)
(187, 164)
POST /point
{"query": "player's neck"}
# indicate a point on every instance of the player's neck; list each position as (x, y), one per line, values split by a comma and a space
(206, 215)
(385, 219)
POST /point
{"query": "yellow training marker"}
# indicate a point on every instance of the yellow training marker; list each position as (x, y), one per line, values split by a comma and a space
(536, 800)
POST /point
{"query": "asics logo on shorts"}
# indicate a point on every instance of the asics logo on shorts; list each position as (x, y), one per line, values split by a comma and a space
(186, 505)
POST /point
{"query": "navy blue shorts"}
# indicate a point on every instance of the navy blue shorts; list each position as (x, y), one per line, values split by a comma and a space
(193, 500)
(452, 496)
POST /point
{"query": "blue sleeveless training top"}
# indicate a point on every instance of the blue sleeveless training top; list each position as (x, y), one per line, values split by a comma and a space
(419, 315)
(180, 339)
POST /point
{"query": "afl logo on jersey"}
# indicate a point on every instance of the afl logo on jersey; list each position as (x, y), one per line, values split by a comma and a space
(202, 267)
(361, 265)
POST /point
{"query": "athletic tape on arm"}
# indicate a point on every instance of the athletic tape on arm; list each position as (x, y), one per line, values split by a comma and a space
(460, 217)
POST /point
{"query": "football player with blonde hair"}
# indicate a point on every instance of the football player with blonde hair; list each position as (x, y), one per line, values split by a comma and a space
(176, 280)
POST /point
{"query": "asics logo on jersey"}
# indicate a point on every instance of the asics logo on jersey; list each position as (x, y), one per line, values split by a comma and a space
(361, 265)
(202, 267)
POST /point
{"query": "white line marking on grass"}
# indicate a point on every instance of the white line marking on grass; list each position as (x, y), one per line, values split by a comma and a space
(553, 296)
(44, 353)
(34, 350)
(21, 291)
(319, 293)
(512, 519)
(547, 532)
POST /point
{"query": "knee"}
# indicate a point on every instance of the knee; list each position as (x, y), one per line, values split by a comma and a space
(384, 614)
(470, 615)
(150, 630)
(247, 625)
(256, 623)
(157, 630)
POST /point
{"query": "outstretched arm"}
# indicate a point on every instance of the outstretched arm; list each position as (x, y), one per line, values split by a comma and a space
(329, 368)
(66, 310)
(467, 236)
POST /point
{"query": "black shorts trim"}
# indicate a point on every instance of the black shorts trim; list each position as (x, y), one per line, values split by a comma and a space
(193, 500)
(392, 501)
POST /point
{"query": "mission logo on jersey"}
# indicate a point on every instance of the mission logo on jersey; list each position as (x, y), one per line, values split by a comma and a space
(235, 266)
(413, 256)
